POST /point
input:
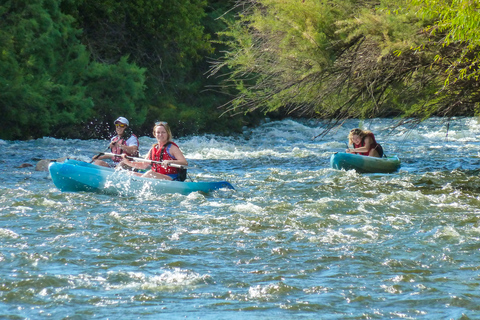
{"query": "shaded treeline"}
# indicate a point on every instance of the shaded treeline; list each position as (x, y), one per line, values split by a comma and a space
(68, 68)
(345, 58)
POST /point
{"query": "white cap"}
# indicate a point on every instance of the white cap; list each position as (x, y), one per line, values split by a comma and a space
(122, 120)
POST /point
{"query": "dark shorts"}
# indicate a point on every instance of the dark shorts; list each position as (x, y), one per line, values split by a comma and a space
(174, 176)
(379, 150)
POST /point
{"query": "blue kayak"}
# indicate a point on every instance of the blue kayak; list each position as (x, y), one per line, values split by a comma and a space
(72, 176)
(364, 164)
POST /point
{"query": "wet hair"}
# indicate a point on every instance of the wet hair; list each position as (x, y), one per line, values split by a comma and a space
(167, 128)
(359, 132)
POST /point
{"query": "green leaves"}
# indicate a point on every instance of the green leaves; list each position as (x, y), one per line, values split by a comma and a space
(39, 50)
(49, 85)
(338, 59)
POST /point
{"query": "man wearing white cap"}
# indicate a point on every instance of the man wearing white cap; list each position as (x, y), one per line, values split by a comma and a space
(124, 142)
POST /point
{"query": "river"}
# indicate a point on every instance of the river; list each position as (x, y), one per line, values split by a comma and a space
(295, 240)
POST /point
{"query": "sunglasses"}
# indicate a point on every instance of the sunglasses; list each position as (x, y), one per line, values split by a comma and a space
(121, 125)
(161, 123)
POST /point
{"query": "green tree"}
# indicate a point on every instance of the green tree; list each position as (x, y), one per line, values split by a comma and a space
(338, 59)
(166, 38)
(308, 57)
(118, 90)
(37, 92)
(48, 84)
(453, 33)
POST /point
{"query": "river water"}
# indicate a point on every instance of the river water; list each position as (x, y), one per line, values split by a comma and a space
(295, 240)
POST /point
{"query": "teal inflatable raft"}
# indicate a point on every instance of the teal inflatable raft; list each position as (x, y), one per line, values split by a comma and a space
(72, 176)
(364, 164)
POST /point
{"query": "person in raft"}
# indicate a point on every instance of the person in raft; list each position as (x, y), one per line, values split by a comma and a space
(124, 142)
(364, 143)
(164, 151)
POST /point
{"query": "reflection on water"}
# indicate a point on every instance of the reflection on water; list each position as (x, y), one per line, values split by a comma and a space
(296, 240)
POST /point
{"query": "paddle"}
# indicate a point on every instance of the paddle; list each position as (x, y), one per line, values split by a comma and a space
(99, 154)
(146, 160)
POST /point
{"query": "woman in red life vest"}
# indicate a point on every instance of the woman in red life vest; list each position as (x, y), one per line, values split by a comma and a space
(164, 151)
(364, 143)
(125, 142)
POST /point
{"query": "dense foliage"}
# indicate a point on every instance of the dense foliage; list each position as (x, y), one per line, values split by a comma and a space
(346, 58)
(49, 83)
(68, 68)
(165, 37)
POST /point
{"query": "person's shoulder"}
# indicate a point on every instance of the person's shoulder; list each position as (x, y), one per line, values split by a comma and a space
(132, 140)
(172, 144)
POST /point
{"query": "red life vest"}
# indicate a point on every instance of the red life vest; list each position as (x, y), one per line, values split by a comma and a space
(373, 145)
(117, 149)
(156, 154)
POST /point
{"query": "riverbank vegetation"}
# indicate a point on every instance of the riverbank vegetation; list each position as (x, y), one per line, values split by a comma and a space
(345, 58)
(69, 68)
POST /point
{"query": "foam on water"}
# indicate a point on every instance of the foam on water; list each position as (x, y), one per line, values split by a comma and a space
(296, 239)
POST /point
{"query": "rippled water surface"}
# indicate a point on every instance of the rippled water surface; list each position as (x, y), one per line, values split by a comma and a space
(296, 240)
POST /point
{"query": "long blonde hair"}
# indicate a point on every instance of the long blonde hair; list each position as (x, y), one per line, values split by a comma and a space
(359, 132)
